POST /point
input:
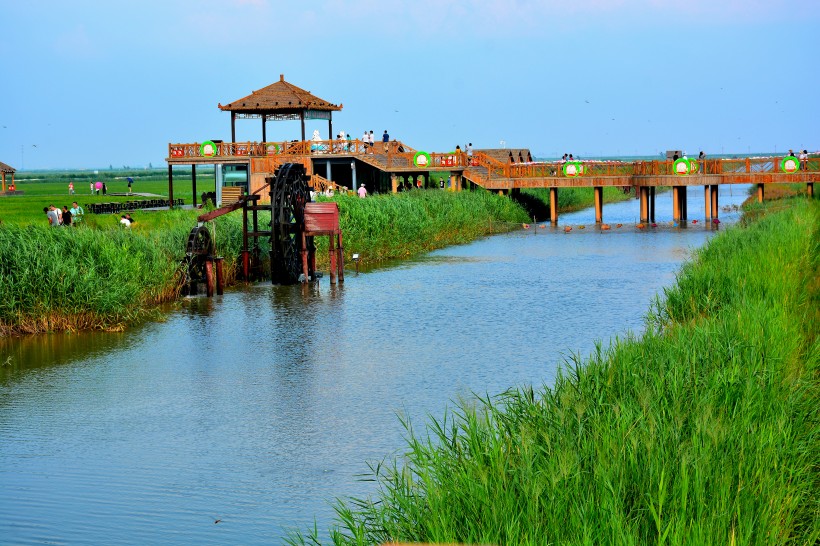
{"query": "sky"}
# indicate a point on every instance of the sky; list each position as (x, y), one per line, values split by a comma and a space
(88, 84)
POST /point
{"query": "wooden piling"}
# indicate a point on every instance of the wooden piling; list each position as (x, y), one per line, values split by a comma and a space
(209, 278)
(331, 250)
(760, 193)
(707, 202)
(341, 259)
(599, 204)
(554, 205)
(714, 199)
(303, 255)
(220, 278)
(675, 204)
(652, 204)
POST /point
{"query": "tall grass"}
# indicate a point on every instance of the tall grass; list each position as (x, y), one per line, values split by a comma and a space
(703, 431)
(406, 224)
(85, 278)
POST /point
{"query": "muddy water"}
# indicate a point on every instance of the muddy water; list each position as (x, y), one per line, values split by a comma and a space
(259, 407)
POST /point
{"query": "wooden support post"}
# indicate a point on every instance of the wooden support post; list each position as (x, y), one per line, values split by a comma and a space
(652, 204)
(707, 202)
(170, 187)
(683, 204)
(303, 255)
(599, 204)
(220, 278)
(675, 204)
(193, 182)
(233, 127)
(394, 183)
(245, 253)
(554, 206)
(810, 189)
(209, 277)
(4, 182)
(264, 132)
(760, 193)
(644, 196)
(331, 250)
(714, 199)
(341, 259)
(302, 118)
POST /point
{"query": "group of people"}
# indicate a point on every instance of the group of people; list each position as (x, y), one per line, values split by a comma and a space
(126, 220)
(369, 140)
(803, 157)
(64, 217)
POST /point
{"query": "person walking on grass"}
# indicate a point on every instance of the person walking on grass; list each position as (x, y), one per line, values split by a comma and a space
(76, 213)
(66, 216)
(130, 181)
(71, 188)
(362, 191)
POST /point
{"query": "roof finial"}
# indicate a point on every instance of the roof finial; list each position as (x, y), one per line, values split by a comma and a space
(281, 77)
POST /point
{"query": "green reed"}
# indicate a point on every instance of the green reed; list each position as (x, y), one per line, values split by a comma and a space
(83, 277)
(705, 430)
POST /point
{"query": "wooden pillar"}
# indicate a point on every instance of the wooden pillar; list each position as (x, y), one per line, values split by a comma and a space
(554, 206)
(331, 250)
(170, 186)
(809, 188)
(675, 204)
(264, 131)
(220, 278)
(394, 183)
(760, 193)
(643, 193)
(193, 182)
(714, 199)
(303, 255)
(302, 118)
(233, 126)
(340, 258)
(457, 178)
(683, 204)
(598, 195)
(209, 277)
(707, 202)
(652, 203)
(4, 182)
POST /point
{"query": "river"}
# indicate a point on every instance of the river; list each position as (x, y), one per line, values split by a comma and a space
(257, 408)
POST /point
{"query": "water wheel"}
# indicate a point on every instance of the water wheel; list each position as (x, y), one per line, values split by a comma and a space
(289, 193)
(199, 248)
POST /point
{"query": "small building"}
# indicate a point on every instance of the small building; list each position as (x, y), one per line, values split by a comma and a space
(5, 170)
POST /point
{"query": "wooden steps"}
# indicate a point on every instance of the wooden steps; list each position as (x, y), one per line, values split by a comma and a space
(231, 194)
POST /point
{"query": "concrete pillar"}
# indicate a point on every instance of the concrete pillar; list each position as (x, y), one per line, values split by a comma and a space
(760, 193)
(675, 204)
(554, 205)
(599, 204)
(652, 204)
(707, 202)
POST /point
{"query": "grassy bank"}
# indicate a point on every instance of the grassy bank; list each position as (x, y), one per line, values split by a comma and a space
(703, 431)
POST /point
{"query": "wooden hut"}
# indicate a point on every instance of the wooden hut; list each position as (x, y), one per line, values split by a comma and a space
(281, 101)
(4, 170)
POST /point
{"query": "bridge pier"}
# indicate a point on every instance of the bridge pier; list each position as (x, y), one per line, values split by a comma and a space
(554, 205)
(652, 204)
(707, 202)
(713, 192)
(643, 193)
(679, 204)
(684, 202)
(760, 191)
(599, 204)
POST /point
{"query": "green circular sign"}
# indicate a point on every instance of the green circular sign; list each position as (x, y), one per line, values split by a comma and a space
(273, 148)
(682, 167)
(789, 164)
(573, 168)
(422, 160)
(208, 149)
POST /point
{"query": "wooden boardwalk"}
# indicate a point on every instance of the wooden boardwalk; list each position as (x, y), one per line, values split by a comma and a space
(397, 159)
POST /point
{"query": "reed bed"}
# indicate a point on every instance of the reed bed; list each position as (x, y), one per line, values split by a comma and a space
(386, 227)
(703, 431)
(54, 279)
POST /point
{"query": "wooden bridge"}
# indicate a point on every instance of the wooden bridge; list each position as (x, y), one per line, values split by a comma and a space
(395, 161)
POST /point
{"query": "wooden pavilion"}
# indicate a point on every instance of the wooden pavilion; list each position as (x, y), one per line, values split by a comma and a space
(4, 170)
(281, 101)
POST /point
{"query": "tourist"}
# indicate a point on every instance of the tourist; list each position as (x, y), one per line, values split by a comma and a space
(702, 162)
(53, 216)
(804, 160)
(470, 153)
(385, 140)
(130, 181)
(564, 158)
(76, 213)
(98, 186)
(372, 141)
(104, 188)
(791, 152)
(128, 217)
(66, 216)
(71, 188)
(59, 214)
(92, 188)
(365, 142)
(362, 191)
(125, 222)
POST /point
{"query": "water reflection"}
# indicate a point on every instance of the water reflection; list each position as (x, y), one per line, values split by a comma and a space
(260, 406)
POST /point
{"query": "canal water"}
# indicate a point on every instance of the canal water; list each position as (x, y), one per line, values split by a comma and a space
(243, 416)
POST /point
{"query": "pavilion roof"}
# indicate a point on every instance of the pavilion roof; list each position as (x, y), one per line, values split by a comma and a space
(6, 168)
(279, 97)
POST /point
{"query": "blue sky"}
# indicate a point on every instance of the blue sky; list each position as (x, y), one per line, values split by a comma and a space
(90, 83)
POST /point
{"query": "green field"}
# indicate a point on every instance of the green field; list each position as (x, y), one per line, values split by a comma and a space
(703, 431)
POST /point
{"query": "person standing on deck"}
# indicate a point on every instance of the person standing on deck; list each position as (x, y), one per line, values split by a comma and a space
(385, 140)
(365, 142)
(372, 140)
(702, 162)
(804, 160)
(470, 153)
